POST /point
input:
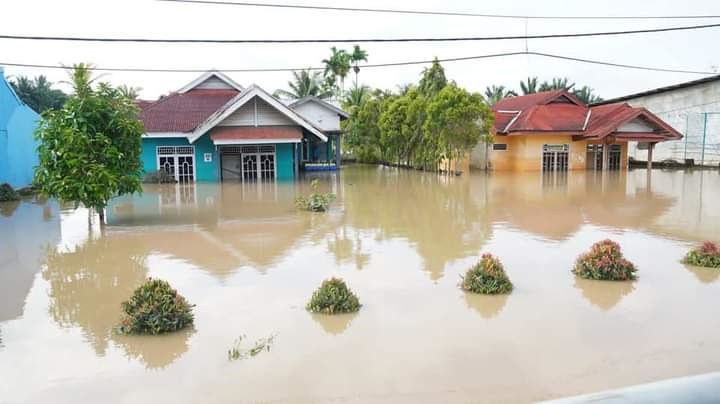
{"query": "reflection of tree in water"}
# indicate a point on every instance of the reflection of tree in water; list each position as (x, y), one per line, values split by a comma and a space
(155, 351)
(436, 214)
(488, 306)
(8, 208)
(334, 324)
(604, 294)
(88, 284)
(704, 275)
(348, 249)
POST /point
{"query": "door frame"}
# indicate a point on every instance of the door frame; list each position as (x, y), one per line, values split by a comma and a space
(175, 156)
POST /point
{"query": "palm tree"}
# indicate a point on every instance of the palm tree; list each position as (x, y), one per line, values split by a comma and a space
(357, 55)
(81, 78)
(337, 66)
(356, 97)
(129, 91)
(304, 83)
(557, 83)
(494, 93)
(529, 86)
(585, 94)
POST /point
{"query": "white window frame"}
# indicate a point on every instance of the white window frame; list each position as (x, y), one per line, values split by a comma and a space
(548, 147)
(175, 156)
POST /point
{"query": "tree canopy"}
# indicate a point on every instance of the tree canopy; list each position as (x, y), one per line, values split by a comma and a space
(38, 93)
(305, 83)
(90, 148)
(531, 85)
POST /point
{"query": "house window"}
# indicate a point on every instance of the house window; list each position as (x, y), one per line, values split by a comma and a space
(614, 154)
(500, 146)
(178, 161)
(248, 163)
(555, 157)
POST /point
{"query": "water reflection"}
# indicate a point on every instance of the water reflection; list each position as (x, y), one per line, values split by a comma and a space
(155, 351)
(23, 239)
(704, 275)
(604, 294)
(335, 324)
(88, 283)
(8, 208)
(488, 306)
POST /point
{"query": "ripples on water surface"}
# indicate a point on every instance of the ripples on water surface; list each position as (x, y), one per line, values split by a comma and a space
(249, 261)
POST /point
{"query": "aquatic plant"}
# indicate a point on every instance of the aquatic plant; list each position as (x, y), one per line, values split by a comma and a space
(155, 308)
(487, 276)
(333, 296)
(706, 254)
(236, 352)
(604, 261)
(315, 202)
(158, 177)
(7, 193)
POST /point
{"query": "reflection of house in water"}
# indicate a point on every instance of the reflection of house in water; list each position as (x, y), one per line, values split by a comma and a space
(27, 229)
(556, 209)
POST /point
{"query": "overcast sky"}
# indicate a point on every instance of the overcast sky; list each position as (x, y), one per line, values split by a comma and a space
(692, 50)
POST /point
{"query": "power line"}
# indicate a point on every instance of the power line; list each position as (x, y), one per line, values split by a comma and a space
(362, 40)
(443, 13)
(376, 65)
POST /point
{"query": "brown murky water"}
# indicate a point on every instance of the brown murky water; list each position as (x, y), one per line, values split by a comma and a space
(249, 261)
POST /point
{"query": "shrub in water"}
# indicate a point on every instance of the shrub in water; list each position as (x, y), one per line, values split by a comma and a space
(158, 177)
(7, 193)
(315, 202)
(706, 255)
(155, 308)
(487, 277)
(605, 262)
(333, 296)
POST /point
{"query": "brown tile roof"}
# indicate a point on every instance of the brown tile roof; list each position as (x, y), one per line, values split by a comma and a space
(183, 112)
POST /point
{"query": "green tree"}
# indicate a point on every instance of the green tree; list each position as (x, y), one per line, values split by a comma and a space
(587, 95)
(557, 83)
(305, 83)
(362, 134)
(129, 92)
(38, 93)
(90, 149)
(494, 93)
(337, 66)
(529, 86)
(433, 79)
(357, 55)
(459, 119)
(356, 97)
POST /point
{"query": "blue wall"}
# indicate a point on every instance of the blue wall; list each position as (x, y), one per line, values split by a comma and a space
(210, 171)
(18, 147)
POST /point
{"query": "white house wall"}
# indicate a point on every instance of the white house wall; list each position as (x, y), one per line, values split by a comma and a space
(214, 83)
(320, 116)
(682, 109)
(256, 112)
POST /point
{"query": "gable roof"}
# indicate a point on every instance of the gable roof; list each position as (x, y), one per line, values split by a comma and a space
(319, 101)
(182, 112)
(561, 111)
(239, 100)
(207, 75)
(660, 90)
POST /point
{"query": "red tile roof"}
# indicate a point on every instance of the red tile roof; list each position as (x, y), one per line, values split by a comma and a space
(256, 133)
(183, 112)
(561, 111)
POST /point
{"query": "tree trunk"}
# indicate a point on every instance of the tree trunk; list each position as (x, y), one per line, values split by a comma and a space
(101, 214)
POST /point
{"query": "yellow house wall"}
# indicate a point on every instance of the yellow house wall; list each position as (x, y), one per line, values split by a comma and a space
(524, 153)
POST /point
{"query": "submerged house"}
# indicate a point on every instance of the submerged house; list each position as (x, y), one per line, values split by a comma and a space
(214, 129)
(555, 131)
(18, 154)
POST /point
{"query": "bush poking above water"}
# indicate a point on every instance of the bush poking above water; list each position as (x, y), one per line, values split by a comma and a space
(315, 202)
(7, 193)
(332, 297)
(487, 277)
(155, 308)
(706, 255)
(605, 262)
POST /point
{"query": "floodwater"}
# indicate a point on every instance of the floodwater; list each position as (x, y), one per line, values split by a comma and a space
(249, 261)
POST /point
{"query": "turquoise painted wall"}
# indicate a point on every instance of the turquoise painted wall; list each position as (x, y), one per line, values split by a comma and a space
(203, 171)
(18, 147)
(210, 171)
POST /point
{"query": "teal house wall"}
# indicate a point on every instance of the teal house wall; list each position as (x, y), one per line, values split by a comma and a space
(18, 147)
